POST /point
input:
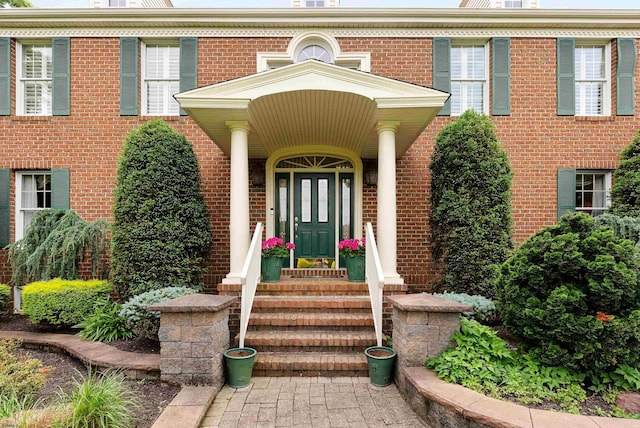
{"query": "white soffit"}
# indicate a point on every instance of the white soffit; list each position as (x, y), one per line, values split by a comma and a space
(313, 103)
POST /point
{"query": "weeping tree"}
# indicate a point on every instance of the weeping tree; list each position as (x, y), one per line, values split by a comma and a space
(471, 205)
(625, 193)
(161, 231)
(54, 245)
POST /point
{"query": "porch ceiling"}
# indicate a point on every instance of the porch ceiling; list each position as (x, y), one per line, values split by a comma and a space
(313, 103)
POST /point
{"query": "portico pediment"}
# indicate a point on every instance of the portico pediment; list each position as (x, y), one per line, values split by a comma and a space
(312, 103)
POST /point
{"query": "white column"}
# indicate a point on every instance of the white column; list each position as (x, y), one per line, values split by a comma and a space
(239, 200)
(386, 223)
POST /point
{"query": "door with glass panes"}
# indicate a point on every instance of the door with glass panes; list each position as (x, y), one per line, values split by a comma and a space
(314, 210)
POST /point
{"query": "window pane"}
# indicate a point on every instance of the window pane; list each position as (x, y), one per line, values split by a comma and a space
(591, 192)
(323, 200)
(314, 52)
(283, 203)
(346, 208)
(305, 200)
(37, 97)
(467, 78)
(36, 62)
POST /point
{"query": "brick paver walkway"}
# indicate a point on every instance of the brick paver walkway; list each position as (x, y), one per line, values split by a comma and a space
(310, 402)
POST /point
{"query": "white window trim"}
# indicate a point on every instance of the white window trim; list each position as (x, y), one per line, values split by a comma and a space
(19, 226)
(606, 87)
(269, 60)
(143, 74)
(607, 185)
(486, 80)
(20, 111)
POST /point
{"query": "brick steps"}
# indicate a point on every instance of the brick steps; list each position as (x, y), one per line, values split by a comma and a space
(323, 304)
(308, 321)
(312, 287)
(311, 341)
(311, 327)
(310, 364)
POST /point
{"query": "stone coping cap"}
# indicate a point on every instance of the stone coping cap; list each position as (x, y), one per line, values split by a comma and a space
(424, 302)
(497, 413)
(194, 303)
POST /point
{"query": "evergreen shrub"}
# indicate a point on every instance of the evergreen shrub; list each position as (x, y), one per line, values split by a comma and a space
(146, 324)
(625, 197)
(484, 310)
(5, 298)
(161, 231)
(624, 227)
(62, 302)
(471, 205)
(571, 293)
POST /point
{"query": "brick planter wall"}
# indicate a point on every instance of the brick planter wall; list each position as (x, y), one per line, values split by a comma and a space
(194, 334)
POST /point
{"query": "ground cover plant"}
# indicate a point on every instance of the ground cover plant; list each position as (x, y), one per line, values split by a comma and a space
(161, 231)
(105, 324)
(62, 302)
(570, 292)
(471, 198)
(481, 361)
(55, 244)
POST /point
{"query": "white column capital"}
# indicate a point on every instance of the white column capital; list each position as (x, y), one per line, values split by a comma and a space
(237, 125)
(388, 125)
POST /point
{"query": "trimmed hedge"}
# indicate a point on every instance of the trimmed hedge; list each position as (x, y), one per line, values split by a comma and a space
(161, 232)
(471, 205)
(5, 298)
(62, 302)
(146, 324)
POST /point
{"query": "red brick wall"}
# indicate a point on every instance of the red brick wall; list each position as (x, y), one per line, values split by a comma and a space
(537, 141)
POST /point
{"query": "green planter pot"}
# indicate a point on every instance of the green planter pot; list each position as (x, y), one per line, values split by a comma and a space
(271, 268)
(355, 268)
(381, 360)
(239, 365)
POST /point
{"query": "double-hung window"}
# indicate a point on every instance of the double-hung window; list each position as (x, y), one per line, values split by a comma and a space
(593, 191)
(33, 194)
(117, 3)
(469, 78)
(161, 79)
(513, 3)
(35, 70)
(591, 80)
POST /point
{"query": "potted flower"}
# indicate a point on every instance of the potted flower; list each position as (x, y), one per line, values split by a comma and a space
(353, 252)
(274, 252)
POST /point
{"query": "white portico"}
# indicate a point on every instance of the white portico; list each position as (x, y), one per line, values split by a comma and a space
(314, 109)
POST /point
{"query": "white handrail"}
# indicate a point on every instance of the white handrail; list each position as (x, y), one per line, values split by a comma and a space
(375, 280)
(249, 278)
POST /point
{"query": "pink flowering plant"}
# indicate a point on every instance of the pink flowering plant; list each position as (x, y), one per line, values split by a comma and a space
(276, 247)
(352, 247)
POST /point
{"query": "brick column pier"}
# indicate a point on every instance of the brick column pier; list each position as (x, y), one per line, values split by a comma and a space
(194, 333)
(422, 328)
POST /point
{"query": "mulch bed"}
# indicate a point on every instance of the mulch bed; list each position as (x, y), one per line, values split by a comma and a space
(22, 323)
(153, 394)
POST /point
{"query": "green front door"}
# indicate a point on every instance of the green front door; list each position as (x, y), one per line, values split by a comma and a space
(314, 215)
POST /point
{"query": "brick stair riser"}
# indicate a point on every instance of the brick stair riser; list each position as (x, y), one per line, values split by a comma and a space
(316, 345)
(279, 305)
(311, 327)
(311, 364)
(305, 321)
(278, 289)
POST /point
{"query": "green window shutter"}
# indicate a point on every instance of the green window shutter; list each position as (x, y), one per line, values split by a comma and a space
(625, 104)
(5, 76)
(128, 76)
(442, 70)
(61, 98)
(5, 207)
(566, 191)
(565, 52)
(188, 65)
(60, 189)
(501, 78)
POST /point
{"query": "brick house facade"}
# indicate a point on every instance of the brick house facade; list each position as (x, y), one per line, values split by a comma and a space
(552, 148)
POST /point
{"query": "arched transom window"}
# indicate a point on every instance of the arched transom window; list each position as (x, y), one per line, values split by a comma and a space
(314, 52)
(315, 162)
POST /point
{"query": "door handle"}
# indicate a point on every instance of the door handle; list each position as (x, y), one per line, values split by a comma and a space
(295, 226)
